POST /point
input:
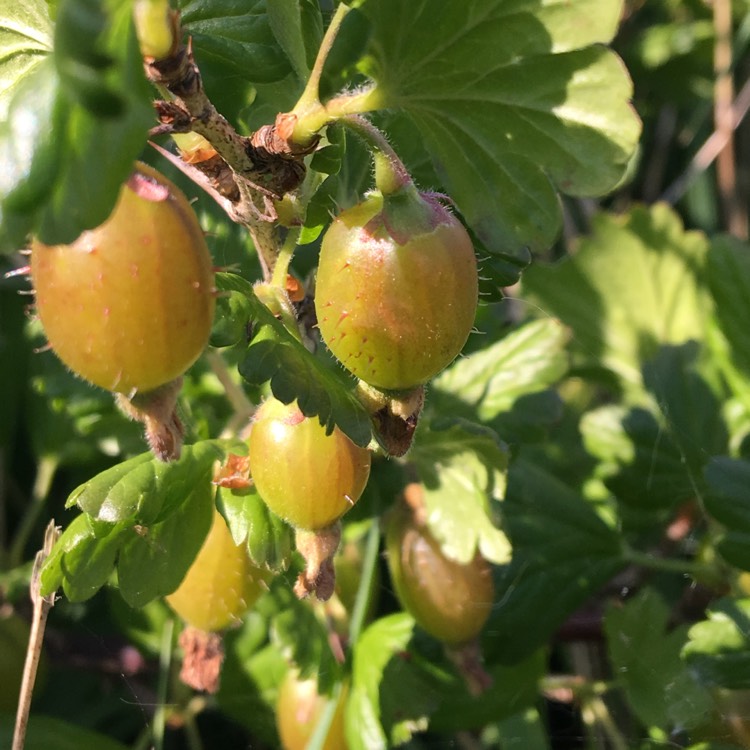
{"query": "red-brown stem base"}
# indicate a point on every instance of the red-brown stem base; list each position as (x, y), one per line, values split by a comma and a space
(202, 660)
(157, 411)
(467, 658)
(318, 548)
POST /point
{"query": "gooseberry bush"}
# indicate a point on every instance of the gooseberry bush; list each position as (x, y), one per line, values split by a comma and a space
(357, 390)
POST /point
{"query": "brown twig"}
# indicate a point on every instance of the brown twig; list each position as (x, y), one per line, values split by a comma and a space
(710, 149)
(726, 173)
(42, 606)
(249, 172)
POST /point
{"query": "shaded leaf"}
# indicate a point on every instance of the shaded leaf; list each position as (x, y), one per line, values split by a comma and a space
(462, 469)
(728, 501)
(679, 378)
(718, 649)
(302, 638)
(637, 458)
(298, 28)
(633, 285)
(45, 732)
(646, 658)
(512, 100)
(562, 553)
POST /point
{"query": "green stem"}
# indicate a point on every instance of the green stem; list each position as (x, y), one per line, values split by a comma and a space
(595, 711)
(162, 688)
(45, 473)
(390, 173)
(359, 611)
(310, 98)
(281, 269)
(311, 114)
(319, 736)
(670, 564)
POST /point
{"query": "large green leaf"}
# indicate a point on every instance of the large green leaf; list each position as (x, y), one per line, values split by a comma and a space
(634, 284)
(562, 553)
(462, 469)
(718, 649)
(513, 98)
(275, 354)
(488, 382)
(646, 658)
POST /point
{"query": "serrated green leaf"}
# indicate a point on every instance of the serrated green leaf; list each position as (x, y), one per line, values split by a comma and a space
(144, 490)
(718, 648)
(235, 34)
(25, 41)
(302, 637)
(490, 380)
(525, 729)
(509, 99)
(269, 540)
(562, 553)
(462, 469)
(646, 657)
(153, 560)
(298, 28)
(275, 354)
(80, 562)
(729, 279)
(389, 698)
(634, 284)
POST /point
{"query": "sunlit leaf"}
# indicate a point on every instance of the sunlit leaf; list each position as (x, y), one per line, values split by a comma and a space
(462, 470)
(635, 284)
(513, 101)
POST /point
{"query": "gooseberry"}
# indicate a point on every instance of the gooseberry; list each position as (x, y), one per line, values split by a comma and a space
(298, 710)
(220, 585)
(129, 305)
(396, 290)
(308, 478)
(450, 600)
